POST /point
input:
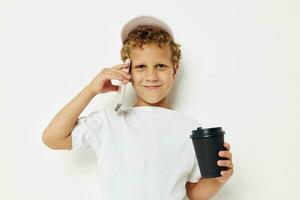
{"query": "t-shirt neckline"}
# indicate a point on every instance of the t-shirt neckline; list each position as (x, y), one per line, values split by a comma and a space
(151, 108)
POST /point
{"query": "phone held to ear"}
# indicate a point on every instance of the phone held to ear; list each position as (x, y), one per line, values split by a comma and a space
(122, 87)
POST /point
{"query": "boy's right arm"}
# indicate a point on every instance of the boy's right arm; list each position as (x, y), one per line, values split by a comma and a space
(57, 135)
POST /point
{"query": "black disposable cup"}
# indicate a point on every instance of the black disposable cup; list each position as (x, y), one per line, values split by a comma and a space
(207, 144)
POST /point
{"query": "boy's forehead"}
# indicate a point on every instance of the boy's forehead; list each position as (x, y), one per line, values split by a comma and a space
(140, 53)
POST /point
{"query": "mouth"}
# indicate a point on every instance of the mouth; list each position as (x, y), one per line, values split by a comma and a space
(153, 87)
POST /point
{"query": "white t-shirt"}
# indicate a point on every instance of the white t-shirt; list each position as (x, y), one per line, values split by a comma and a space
(143, 152)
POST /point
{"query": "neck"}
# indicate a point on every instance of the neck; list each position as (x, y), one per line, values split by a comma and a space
(162, 103)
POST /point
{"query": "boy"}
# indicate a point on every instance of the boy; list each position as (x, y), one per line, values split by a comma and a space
(144, 152)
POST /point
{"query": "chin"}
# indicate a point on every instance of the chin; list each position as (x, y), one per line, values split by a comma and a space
(151, 96)
(152, 100)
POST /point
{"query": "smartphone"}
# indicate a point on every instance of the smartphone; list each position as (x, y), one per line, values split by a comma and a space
(122, 86)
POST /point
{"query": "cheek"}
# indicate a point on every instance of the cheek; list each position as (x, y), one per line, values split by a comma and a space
(167, 78)
(135, 80)
(136, 77)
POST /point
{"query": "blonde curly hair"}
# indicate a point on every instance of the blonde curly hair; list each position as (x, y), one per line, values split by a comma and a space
(151, 35)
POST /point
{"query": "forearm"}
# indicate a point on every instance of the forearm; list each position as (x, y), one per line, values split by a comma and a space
(205, 189)
(64, 121)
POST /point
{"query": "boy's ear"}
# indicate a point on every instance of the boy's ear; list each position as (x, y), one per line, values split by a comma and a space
(175, 70)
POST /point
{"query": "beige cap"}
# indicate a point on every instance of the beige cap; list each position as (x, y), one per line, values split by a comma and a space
(144, 20)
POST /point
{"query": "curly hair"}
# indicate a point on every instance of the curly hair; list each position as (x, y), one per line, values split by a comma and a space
(150, 35)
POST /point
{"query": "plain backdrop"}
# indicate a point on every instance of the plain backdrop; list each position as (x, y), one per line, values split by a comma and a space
(240, 70)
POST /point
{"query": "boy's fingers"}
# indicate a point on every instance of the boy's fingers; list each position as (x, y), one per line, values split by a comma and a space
(227, 173)
(225, 163)
(125, 74)
(227, 146)
(120, 66)
(226, 154)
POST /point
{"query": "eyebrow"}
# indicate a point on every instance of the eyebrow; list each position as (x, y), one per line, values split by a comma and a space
(161, 63)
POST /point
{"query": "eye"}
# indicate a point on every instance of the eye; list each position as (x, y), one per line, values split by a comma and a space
(140, 66)
(162, 65)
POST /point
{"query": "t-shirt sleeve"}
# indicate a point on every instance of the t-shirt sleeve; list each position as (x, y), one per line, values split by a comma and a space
(195, 174)
(88, 131)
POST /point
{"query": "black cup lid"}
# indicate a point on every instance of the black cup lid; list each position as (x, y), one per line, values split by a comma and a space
(195, 131)
(207, 132)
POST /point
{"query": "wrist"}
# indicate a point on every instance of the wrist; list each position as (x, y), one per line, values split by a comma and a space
(206, 188)
(90, 90)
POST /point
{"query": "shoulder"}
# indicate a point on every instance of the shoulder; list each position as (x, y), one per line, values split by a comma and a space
(108, 114)
(98, 113)
(185, 120)
(94, 116)
(105, 113)
(190, 119)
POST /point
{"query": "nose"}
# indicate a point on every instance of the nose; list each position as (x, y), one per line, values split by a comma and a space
(151, 75)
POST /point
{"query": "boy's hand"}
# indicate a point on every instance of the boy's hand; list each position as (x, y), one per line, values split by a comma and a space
(227, 163)
(208, 187)
(102, 82)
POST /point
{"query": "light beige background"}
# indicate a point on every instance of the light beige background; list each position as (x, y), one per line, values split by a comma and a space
(240, 70)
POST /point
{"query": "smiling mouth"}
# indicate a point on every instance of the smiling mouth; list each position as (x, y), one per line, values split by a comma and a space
(152, 87)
